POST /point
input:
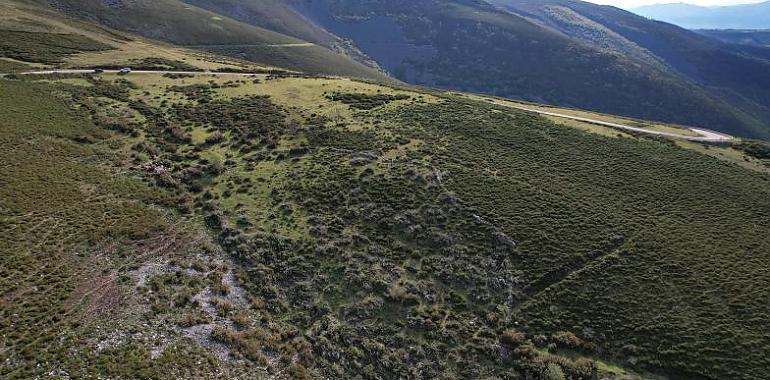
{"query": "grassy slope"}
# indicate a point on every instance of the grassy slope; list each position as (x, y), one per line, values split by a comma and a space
(186, 25)
(365, 233)
(76, 237)
(758, 38)
(382, 237)
(110, 47)
(611, 250)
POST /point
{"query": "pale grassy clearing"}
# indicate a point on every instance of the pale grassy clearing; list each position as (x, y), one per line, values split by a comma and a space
(588, 127)
(127, 53)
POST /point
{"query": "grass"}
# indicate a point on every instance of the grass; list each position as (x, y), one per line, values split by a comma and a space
(728, 154)
(401, 238)
(74, 226)
(732, 154)
(592, 128)
(175, 22)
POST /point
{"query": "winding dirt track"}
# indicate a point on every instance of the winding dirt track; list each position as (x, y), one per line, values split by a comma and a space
(704, 135)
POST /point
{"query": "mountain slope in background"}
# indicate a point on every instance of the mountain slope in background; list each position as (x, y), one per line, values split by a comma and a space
(187, 25)
(746, 16)
(466, 45)
(472, 46)
(735, 75)
(750, 37)
(279, 16)
(36, 36)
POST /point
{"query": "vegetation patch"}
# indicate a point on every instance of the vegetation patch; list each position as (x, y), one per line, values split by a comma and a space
(450, 239)
(154, 64)
(757, 149)
(366, 101)
(45, 47)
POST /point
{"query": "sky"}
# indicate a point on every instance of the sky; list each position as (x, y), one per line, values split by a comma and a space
(636, 3)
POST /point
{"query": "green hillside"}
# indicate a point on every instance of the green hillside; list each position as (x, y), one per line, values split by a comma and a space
(370, 231)
(275, 15)
(34, 36)
(291, 226)
(281, 16)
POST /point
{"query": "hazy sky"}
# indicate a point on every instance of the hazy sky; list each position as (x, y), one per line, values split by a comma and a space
(636, 3)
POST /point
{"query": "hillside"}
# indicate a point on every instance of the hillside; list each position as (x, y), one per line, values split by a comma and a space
(760, 38)
(350, 229)
(280, 16)
(34, 37)
(737, 76)
(472, 46)
(186, 25)
(279, 225)
(745, 16)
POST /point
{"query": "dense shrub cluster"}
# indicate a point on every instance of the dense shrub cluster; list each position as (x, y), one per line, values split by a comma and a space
(756, 149)
(252, 120)
(153, 63)
(45, 47)
(366, 101)
(607, 244)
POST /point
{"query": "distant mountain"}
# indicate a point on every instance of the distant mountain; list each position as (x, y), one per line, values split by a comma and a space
(748, 16)
(739, 36)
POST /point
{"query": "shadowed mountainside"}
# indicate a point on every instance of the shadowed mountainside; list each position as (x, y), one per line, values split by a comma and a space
(187, 25)
(473, 46)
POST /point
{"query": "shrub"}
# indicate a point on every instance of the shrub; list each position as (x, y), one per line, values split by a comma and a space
(553, 371)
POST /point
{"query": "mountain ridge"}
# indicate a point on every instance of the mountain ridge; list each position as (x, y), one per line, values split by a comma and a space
(744, 16)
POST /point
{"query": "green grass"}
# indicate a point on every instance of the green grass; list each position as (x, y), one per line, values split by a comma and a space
(607, 239)
(398, 234)
(73, 230)
(185, 25)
